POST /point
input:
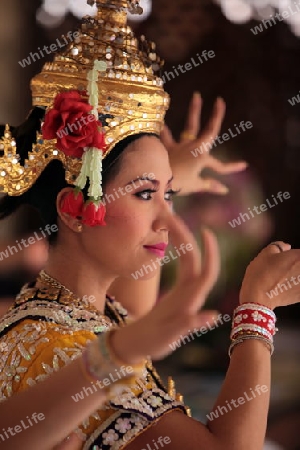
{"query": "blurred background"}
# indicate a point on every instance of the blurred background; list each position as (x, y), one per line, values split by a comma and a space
(256, 70)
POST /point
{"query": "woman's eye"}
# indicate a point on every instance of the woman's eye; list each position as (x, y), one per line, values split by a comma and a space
(145, 195)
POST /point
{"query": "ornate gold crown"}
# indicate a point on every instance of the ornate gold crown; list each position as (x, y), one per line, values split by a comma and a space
(131, 98)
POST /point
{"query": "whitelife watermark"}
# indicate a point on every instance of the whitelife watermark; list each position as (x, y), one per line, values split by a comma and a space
(72, 36)
(159, 443)
(274, 292)
(71, 127)
(259, 209)
(12, 249)
(292, 101)
(202, 330)
(24, 425)
(207, 146)
(221, 410)
(276, 18)
(159, 262)
(183, 68)
(111, 378)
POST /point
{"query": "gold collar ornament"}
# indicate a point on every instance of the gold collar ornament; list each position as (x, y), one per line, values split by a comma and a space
(107, 78)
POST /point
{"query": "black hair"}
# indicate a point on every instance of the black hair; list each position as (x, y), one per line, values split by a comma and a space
(42, 195)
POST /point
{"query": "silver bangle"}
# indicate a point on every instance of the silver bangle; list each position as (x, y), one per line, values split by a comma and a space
(241, 339)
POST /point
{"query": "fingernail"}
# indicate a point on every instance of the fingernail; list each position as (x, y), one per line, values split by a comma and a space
(210, 316)
(222, 190)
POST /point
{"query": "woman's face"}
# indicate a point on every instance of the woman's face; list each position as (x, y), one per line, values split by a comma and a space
(138, 203)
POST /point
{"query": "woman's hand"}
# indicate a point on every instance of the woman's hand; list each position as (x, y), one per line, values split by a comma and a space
(185, 166)
(273, 277)
(177, 313)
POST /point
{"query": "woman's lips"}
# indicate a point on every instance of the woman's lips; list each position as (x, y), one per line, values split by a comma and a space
(158, 249)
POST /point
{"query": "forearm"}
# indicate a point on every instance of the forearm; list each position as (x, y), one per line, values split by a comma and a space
(52, 398)
(241, 406)
(138, 297)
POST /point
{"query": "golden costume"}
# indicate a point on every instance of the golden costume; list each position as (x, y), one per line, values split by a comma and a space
(48, 328)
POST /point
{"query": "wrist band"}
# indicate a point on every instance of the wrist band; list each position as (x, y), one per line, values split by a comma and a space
(253, 321)
(254, 317)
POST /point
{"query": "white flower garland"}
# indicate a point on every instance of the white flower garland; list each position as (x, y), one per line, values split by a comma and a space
(92, 158)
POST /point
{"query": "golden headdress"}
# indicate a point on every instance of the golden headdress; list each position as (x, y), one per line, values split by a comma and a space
(111, 70)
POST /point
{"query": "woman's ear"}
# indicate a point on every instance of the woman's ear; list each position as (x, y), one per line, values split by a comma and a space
(73, 223)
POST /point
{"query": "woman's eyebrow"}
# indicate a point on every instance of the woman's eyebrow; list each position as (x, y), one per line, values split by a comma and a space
(155, 182)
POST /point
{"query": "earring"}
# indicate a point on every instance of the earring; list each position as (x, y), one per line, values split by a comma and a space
(79, 227)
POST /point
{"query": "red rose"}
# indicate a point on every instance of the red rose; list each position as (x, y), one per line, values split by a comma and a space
(72, 125)
(93, 214)
(73, 203)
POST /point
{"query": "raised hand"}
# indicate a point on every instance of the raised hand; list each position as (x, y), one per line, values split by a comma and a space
(273, 277)
(186, 167)
(178, 311)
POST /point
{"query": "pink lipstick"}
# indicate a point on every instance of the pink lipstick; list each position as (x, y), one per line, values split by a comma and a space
(158, 249)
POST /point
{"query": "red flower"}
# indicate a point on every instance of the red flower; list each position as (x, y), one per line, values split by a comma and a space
(72, 125)
(73, 203)
(93, 214)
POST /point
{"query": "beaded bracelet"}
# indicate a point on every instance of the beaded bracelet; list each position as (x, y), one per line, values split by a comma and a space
(254, 317)
(253, 321)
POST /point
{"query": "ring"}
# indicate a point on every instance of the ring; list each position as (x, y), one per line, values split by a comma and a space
(277, 245)
(188, 136)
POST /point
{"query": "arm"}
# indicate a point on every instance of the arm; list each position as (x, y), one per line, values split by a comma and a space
(247, 382)
(242, 428)
(51, 397)
(139, 298)
(165, 323)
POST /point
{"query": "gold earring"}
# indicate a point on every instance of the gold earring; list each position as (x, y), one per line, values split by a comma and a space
(79, 227)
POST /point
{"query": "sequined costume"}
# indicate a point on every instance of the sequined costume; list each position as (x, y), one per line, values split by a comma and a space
(47, 328)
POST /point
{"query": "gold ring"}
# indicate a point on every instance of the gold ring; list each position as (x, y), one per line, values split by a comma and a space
(188, 136)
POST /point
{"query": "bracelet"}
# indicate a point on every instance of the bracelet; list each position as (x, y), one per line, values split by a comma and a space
(253, 321)
(97, 363)
(110, 357)
(243, 338)
(246, 328)
(255, 318)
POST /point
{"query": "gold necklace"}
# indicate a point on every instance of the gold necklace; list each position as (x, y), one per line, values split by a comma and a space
(53, 282)
(66, 296)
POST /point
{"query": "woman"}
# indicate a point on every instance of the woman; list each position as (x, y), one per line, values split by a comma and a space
(51, 325)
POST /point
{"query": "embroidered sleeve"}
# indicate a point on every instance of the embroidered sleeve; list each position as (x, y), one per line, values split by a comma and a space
(32, 351)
